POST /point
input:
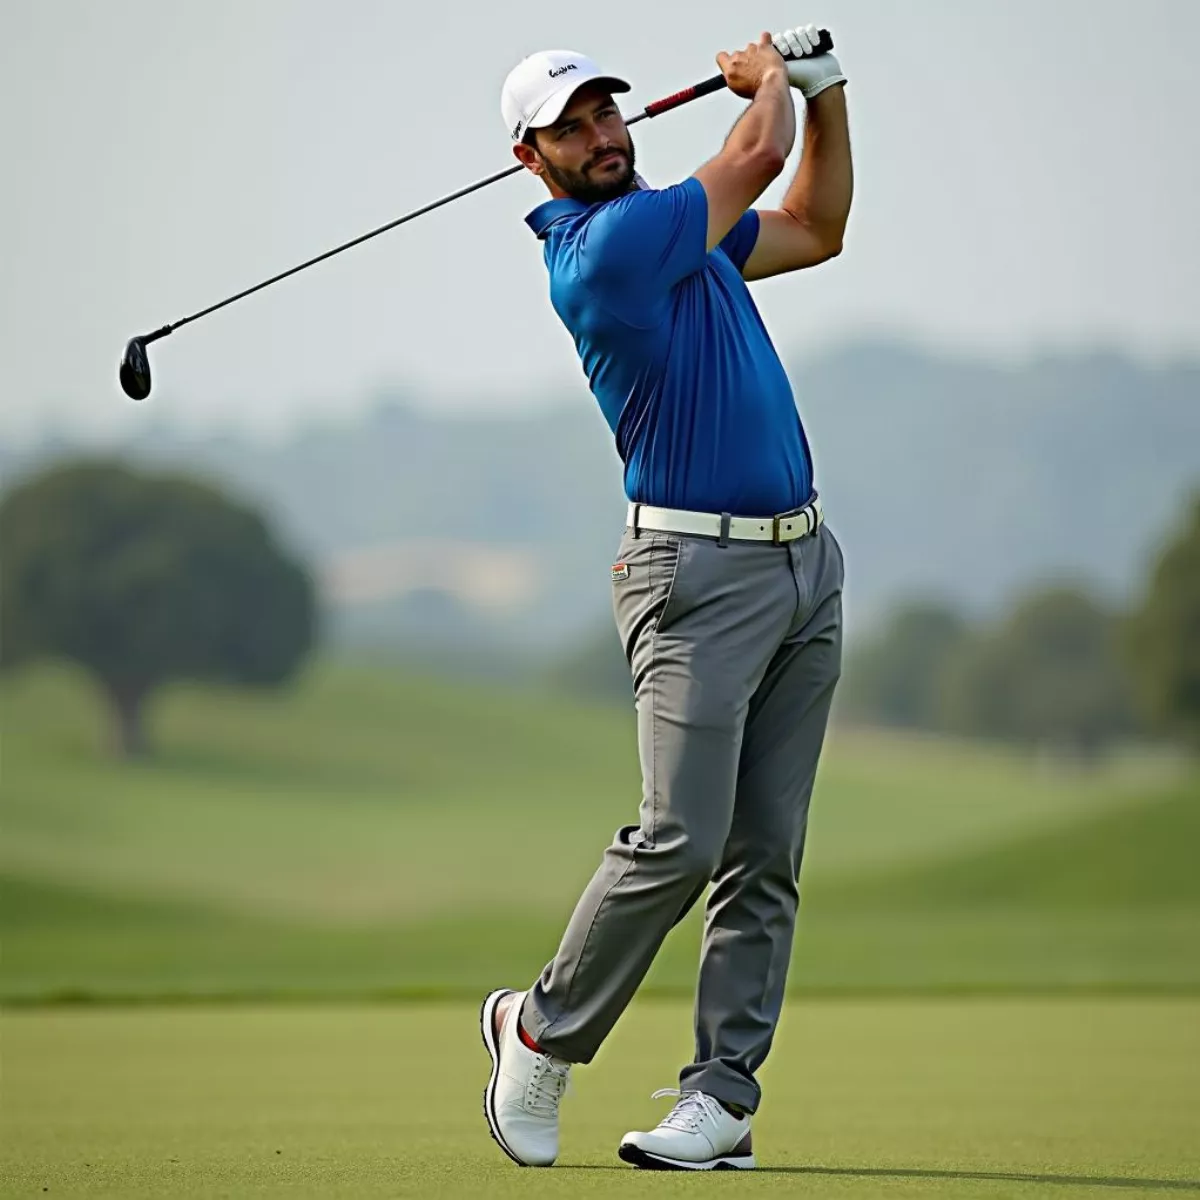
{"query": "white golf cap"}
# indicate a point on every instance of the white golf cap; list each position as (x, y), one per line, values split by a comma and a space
(538, 88)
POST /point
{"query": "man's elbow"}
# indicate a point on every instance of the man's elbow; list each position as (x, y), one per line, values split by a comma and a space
(815, 244)
(827, 240)
(831, 248)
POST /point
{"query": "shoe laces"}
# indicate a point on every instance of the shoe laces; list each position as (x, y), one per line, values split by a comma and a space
(547, 1083)
(691, 1110)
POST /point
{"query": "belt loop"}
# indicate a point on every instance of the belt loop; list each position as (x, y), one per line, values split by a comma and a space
(723, 540)
(637, 510)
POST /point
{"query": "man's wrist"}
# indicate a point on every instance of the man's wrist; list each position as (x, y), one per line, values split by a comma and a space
(774, 77)
(831, 96)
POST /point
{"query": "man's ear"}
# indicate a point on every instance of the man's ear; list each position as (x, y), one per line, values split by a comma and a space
(529, 158)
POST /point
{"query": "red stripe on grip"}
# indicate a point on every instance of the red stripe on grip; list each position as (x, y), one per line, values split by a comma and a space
(661, 106)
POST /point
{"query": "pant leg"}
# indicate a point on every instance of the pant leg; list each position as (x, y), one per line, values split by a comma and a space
(751, 912)
(700, 624)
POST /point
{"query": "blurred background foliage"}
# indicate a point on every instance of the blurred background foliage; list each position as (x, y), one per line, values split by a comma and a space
(325, 726)
(144, 579)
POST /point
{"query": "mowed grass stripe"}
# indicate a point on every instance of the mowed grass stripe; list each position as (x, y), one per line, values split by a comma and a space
(1129, 921)
(231, 865)
(371, 797)
(1140, 856)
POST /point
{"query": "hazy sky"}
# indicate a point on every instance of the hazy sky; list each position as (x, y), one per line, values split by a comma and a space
(1027, 177)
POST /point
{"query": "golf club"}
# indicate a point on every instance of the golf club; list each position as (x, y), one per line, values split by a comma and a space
(135, 364)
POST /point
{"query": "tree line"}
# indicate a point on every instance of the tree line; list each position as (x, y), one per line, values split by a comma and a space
(146, 578)
(1061, 667)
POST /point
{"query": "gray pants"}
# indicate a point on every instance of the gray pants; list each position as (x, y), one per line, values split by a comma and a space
(735, 652)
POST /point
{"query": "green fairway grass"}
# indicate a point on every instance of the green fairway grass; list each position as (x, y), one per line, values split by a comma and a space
(943, 1098)
(375, 834)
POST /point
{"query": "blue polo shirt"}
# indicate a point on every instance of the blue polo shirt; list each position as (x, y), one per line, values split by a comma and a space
(675, 351)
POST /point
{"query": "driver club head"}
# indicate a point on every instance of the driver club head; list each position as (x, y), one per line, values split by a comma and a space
(135, 370)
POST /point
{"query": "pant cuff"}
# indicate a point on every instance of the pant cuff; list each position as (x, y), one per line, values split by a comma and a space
(722, 1083)
(538, 1026)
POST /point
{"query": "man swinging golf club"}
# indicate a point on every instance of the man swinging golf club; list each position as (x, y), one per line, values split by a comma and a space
(727, 589)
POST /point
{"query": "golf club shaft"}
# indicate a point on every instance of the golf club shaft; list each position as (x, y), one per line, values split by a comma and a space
(706, 88)
(312, 262)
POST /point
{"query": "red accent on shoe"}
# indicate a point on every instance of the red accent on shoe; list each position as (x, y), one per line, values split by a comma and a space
(526, 1040)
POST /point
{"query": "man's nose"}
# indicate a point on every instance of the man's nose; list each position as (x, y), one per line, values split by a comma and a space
(598, 140)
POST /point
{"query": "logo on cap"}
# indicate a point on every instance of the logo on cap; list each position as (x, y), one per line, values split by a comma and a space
(538, 87)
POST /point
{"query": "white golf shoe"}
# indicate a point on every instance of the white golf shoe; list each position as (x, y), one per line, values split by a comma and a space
(522, 1096)
(698, 1134)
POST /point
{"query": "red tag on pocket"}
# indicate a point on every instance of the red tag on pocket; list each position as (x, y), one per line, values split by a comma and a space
(620, 571)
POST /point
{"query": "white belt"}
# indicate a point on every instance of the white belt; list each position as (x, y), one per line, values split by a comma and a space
(785, 527)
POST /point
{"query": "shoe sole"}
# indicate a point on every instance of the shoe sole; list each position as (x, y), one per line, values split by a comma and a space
(487, 1030)
(638, 1157)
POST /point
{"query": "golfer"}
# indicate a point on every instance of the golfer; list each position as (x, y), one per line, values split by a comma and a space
(726, 589)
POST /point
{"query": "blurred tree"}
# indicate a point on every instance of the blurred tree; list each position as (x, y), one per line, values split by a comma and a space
(143, 579)
(895, 679)
(1165, 637)
(1051, 673)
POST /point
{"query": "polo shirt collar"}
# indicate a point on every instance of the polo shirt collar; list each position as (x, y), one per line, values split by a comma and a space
(551, 212)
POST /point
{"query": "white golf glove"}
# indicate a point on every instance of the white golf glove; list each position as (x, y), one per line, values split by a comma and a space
(810, 75)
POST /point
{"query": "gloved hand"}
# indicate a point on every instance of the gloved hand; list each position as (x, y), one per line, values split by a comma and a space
(810, 75)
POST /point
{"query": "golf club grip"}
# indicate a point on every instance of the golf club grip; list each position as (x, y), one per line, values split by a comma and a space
(717, 82)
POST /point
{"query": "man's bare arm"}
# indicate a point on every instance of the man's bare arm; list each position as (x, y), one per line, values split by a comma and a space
(809, 227)
(758, 145)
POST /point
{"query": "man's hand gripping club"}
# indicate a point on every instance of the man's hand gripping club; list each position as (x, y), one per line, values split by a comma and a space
(812, 75)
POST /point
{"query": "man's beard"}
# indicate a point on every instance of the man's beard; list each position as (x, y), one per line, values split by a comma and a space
(580, 186)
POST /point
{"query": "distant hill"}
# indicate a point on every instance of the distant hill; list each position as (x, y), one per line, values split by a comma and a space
(971, 480)
(947, 476)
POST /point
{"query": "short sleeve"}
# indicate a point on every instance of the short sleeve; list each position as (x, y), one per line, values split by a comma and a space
(647, 238)
(740, 241)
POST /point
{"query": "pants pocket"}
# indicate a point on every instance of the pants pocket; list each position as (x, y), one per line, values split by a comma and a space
(648, 595)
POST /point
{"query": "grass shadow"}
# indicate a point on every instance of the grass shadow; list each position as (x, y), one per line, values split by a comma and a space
(1109, 1181)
